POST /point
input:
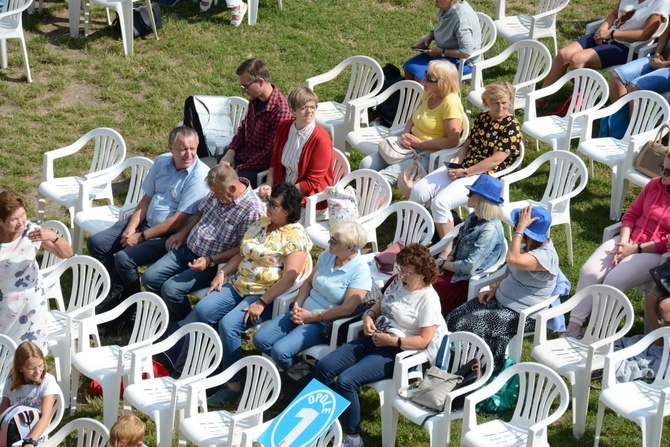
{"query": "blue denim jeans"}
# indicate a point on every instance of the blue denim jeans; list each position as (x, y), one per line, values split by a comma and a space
(357, 363)
(282, 339)
(172, 279)
(232, 326)
(122, 263)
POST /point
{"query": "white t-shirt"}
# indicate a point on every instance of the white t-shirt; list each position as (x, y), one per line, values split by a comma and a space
(633, 14)
(31, 395)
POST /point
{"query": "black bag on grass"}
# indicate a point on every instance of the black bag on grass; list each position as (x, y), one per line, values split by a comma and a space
(295, 379)
(142, 20)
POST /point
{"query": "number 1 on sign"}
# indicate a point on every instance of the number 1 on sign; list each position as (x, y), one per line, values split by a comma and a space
(307, 416)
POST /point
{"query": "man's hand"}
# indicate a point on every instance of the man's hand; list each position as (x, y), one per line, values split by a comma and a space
(131, 240)
(229, 158)
(199, 265)
(218, 282)
(175, 241)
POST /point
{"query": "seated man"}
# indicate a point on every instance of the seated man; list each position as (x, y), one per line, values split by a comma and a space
(250, 151)
(172, 189)
(212, 237)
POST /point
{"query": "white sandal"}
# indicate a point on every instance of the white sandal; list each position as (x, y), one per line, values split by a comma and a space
(206, 4)
(239, 14)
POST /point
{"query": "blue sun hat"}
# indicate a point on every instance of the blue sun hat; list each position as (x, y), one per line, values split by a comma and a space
(538, 230)
(488, 187)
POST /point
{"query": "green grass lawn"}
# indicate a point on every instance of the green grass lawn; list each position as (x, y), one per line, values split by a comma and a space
(84, 83)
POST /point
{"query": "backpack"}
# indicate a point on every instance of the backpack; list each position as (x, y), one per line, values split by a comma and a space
(16, 423)
(142, 20)
(505, 397)
(386, 111)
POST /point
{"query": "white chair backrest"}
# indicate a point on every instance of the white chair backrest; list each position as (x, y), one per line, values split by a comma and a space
(609, 309)
(590, 90)
(151, 317)
(539, 386)
(413, 222)
(56, 415)
(341, 166)
(204, 348)
(7, 348)
(238, 110)
(366, 77)
(110, 148)
(408, 101)
(16, 7)
(650, 110)
(58, 227)
(90, 280)
(262, 383)
(331, 437)
(372, 190)
(534, 61)
(467, 346)
(89, 433)
(139, 168)
(487, 30)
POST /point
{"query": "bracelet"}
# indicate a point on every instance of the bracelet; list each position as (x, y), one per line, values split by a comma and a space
(465, 172)
(221, 271)
(55, 240)
(366, 313)
(517, 233)
(320, 316)
(612, 35)
(399, 344)
(639, 248)
(261, 302)
(443, 51)
(144, 238)
(30, 441)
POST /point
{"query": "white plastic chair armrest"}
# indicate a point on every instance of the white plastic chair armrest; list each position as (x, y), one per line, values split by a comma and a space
(646, 50)
(310, 208)
(50, 156)
(436, 249)
(613, 358)
(355, 330)
(593, 26)
(284, 301)
(324, 77)
(404, 362)
(493, 277)
(436, 156)
(543, 317)
(611, 231)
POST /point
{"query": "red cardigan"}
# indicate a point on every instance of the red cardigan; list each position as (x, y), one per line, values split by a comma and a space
(315, 168)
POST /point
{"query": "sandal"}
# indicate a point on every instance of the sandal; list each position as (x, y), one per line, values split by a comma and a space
(572, 334)
(206, 4)
(238, 16)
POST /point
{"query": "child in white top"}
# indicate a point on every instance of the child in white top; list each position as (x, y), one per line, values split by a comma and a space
(127, 431)
(32, 386)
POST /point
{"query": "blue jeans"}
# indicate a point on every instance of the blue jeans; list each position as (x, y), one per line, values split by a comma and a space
(282, 339)
(172, 279)
(357, 363)
(640, 74)
(232, 326)
(122, 263)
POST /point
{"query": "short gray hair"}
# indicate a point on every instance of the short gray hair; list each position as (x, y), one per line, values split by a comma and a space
(350, 233)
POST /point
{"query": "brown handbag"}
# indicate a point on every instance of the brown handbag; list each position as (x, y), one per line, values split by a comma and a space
(652, 154)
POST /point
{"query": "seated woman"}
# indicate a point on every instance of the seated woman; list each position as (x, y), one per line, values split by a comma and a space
(494, 144)
(530, 279)
(335, 288)
(624, 261)
(476, 248)
(646, 73)
(456, 35)
(630, 21)
(435, 125)
(303, 152)
(272, 256)
(406, 317)
(657, 309)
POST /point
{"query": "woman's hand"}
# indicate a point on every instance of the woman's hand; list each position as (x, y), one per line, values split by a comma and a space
(455, 174)
(602, 33)
(623, 250)
(253, 312)
(524, 219)
(424, 42)
(381, 339)
(42, 234)
(298, 315)
(486, 296)
(218, 282)
(410, 141)
(658, 61)
(369, 328)
(433, 51)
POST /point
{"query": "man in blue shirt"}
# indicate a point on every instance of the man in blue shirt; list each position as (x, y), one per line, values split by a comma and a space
(173, 189)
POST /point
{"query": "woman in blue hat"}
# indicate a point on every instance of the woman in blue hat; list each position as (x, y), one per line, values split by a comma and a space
(530, 279)
(476, 248)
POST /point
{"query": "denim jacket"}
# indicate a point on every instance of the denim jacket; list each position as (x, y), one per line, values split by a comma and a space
(477, 247)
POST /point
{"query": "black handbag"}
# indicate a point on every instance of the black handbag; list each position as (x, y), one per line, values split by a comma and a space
(661, 276)
(142, 20)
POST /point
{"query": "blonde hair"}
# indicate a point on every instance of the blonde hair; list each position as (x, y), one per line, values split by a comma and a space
(446, 74)
(350, 233)
(24, 352)
(127, 431)
(497, 90)
(485, 209)
(299, 97)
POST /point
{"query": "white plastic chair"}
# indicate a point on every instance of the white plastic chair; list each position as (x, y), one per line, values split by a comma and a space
(373, 193)
(533, 63)
(649, 111)
(590, 93)
(110, 364)
(237, 111)
(90, 286)
(163, 399)
(124, 9)
(224, 428)
(437, 158)
(11, 27)
(366, 139)
(611, 318)
(108, 151)
(366, 81)
(7, 348)
(50, 260)
(93, 219)
(332, 437)
(634, 48)
(487, 30)
(89, 433)
(567, 178)
(252, 16)
(539, 387)
(644, 403)
(56, 418)
(524, 26)
(466, 346)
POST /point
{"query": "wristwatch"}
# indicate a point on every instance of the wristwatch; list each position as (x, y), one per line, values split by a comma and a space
(30, 441)
(211, 261)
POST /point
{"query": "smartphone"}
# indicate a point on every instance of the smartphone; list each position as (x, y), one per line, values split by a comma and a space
(420, 50)
(453, 165)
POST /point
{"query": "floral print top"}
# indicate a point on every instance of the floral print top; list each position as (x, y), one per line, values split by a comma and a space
(263, 255)
(488, 136)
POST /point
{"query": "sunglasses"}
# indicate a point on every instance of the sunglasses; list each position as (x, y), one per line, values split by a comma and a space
(333, 241)
(427, 78)
(663, 171)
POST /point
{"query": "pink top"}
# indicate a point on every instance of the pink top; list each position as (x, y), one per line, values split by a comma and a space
(649, 216)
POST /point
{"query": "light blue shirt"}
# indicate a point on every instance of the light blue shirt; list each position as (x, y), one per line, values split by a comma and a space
(330, 284)
(173, 190)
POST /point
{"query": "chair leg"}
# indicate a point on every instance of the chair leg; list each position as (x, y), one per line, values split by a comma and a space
(74, 389)
(41, 203)
(163, 431)
(3, 50)
(153, 19)
(390, 430)
(25, 58)
(654, 431)
(599, 422)
(126, 22)
(568, 240)
(580, 403)
(616, 198)
(78, 240)
(110, 401)
(253, 12)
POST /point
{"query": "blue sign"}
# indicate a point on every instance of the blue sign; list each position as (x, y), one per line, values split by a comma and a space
(306, 418)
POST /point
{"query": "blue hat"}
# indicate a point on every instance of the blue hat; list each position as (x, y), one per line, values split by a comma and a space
(488, 187)
(538, 230)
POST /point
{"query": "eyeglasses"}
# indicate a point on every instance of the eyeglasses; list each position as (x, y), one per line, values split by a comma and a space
(245, 87)
(663, 171)
(333, 241)
(427, 78)
(402, 272)
(308, 108)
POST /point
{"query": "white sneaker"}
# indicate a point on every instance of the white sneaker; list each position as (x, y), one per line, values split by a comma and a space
(347, 442)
